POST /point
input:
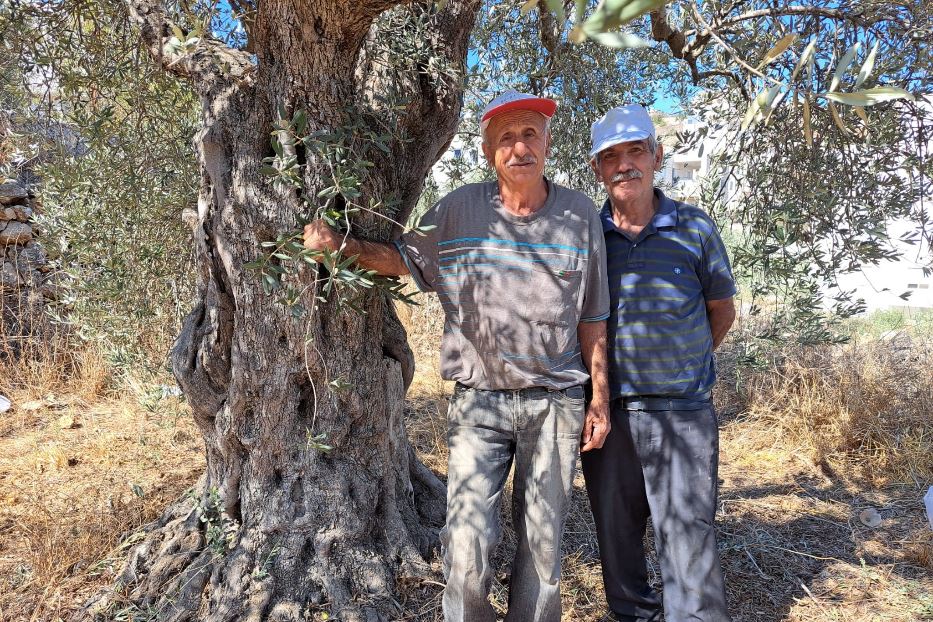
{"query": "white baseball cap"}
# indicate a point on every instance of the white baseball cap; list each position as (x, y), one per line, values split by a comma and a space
(513, 100)
(620, 125)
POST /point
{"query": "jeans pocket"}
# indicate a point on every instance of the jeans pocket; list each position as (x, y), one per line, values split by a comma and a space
(574, 395)
(570, 411)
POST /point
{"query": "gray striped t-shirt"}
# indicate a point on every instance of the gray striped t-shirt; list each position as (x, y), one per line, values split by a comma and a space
(513, 288)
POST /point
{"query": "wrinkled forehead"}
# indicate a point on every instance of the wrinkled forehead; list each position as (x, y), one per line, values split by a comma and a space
(623, 147)
(515, 121)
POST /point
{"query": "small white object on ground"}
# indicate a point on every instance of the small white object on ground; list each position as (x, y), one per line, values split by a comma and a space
(5, 404)
(870, 517)
(168, 391)
(928, 500)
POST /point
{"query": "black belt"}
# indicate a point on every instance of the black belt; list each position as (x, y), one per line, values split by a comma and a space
(459, 386)
(651, 402)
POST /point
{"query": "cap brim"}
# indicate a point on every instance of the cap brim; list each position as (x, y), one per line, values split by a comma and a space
(622, 137)
(545, 106)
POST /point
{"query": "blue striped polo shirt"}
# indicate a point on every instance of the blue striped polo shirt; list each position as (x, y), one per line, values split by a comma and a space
(659, 336)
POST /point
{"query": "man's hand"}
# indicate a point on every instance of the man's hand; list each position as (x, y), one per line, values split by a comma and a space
(596, 426)
(377, 256)
(318, 236)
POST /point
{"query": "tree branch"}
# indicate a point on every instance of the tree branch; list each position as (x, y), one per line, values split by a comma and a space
(809, 11)
(549, 32)
(209, 65)
(688, 50)
(429, 121)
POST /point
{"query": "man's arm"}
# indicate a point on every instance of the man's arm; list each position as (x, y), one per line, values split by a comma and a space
(721, 314)
(384, 258)
(596, 426)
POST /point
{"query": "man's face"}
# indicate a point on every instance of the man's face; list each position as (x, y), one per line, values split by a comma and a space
(627, 170)
(516, 145)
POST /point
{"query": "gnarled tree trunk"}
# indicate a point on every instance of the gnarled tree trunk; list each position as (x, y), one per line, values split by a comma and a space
(276, 526)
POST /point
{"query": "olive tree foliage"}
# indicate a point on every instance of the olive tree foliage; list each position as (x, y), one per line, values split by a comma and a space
(813, 113)
(528, 49)
(825, 139)
(115, 188)
(105, 137)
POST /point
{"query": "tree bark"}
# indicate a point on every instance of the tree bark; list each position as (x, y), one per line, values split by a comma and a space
(277, 527)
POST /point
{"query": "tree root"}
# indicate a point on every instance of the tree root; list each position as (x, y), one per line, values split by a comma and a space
(309, 544)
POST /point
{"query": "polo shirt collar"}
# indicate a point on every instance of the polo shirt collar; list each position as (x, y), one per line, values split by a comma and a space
(666, 216)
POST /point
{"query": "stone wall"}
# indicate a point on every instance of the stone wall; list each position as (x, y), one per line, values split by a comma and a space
(25, 285)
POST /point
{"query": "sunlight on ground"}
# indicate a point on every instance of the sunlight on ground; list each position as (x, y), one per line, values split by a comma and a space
(78, 473)
(74, 478)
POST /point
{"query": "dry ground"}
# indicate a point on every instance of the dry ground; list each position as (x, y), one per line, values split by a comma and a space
(81, 467)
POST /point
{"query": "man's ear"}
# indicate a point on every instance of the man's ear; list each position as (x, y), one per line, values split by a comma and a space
(595, 167)
(490, 155)
(659, 157)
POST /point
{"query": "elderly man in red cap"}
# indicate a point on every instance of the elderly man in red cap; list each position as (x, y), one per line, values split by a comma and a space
(519, 267)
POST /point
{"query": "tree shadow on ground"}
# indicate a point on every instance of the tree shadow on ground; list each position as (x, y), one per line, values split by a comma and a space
(791, 543)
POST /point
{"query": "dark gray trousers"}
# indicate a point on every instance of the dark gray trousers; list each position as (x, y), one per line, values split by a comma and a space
(663, 464)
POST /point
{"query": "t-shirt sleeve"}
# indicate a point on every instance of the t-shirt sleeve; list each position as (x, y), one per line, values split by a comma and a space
(419, 249)
(715, 272)
(596, 284)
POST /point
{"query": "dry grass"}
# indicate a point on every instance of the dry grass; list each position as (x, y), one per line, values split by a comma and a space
(862, 409)
(73, 481)
(83, 461)
(806, 446)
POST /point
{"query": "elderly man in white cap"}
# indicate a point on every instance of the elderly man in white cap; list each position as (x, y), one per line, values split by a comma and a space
(520, 270)
(671, 292)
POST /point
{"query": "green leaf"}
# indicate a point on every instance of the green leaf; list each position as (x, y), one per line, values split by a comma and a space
(778, 49)
(557, 8)
(807, 128)
(804, 58)
(870, 97)
(423, 229)
(843, 65)
(579, 11)
(633, 9)
(614, 13)
(300, 121)
(528, 6)
(619, 40)
(867, 66)
(761, 104)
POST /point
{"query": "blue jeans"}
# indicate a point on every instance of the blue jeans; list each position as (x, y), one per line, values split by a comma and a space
(663, 463)
(539, 430)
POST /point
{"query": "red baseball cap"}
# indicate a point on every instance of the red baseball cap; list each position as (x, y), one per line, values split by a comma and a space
(513, 100)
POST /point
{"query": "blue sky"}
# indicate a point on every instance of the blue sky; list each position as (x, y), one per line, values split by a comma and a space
(228, 25)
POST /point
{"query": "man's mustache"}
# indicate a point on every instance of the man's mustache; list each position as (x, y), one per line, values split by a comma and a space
(625, 176)
(528, 159)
